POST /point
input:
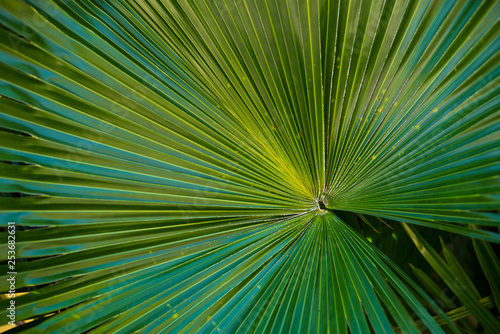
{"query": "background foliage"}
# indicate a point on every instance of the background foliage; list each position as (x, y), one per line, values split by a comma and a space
(252, 165)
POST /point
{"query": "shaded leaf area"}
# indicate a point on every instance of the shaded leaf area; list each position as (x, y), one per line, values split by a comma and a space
(452, 273)
(179, 152)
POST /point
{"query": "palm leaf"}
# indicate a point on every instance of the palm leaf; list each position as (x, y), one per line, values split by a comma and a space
(456, 279)
(193, 166)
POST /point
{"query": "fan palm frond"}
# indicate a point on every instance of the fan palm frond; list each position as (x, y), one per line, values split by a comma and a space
(242, 166)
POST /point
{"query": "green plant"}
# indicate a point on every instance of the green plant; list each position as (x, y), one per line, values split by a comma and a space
(251, 166)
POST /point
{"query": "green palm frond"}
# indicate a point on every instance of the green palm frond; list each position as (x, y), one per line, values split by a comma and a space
(243, 166)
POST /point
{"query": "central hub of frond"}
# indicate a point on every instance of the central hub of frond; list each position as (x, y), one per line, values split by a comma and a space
(320, 204)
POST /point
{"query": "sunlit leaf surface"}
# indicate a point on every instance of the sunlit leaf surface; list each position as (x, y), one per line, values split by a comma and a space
(184, 164)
